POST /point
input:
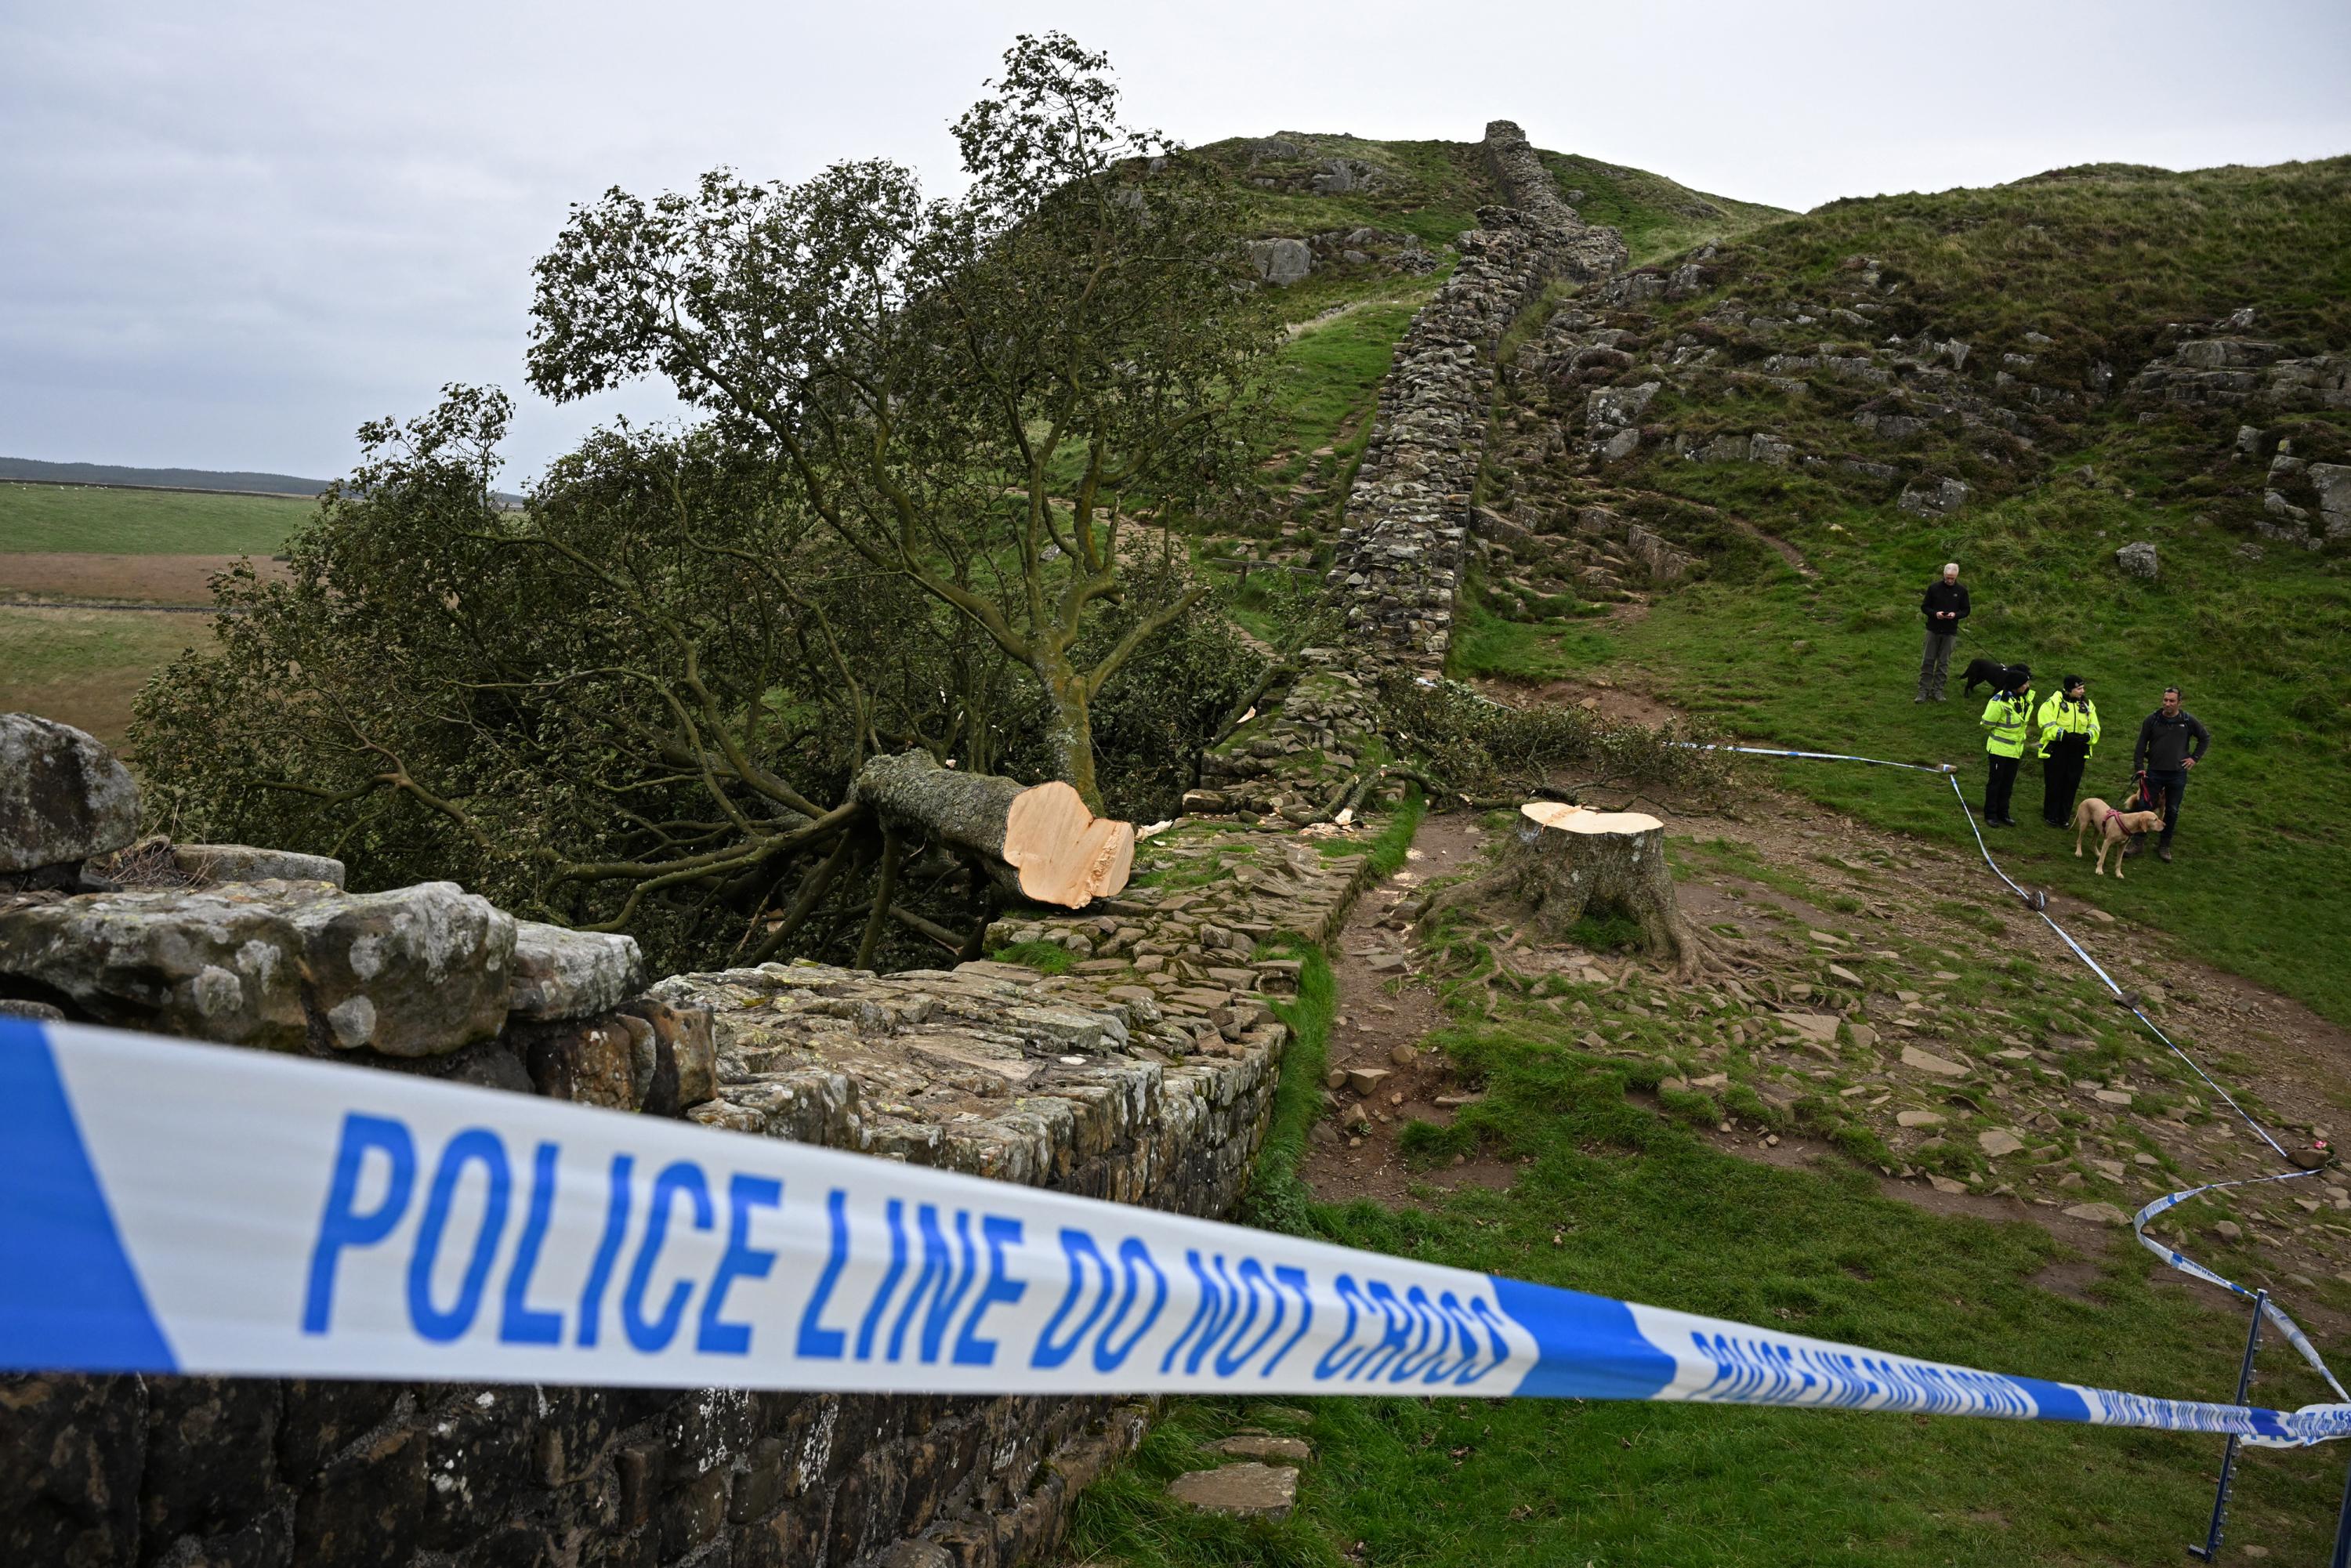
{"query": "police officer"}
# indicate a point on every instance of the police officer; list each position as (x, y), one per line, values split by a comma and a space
(2006, 718)
(2068, 723)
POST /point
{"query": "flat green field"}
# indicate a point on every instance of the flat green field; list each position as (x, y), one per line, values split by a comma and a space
(82, 667)
(58, 517)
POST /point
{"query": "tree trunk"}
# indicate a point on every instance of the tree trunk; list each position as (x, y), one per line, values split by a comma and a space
(1073, 731)
(1037, 841)
(1568, 861)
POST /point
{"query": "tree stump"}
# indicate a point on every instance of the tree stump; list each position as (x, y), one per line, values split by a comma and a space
(1038, 840)
(1566, 861)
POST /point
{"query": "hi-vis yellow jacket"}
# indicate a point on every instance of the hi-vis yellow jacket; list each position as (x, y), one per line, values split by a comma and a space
(2008, 715)
(2058, 716)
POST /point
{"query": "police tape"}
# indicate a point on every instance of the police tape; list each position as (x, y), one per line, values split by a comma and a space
(2271, 1312)
(174, 1207)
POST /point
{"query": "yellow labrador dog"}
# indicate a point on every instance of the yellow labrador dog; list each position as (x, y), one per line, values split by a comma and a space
(2113, 827)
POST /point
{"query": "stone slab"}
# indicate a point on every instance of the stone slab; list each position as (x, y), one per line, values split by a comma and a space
(559, 973)
(1244, 1491)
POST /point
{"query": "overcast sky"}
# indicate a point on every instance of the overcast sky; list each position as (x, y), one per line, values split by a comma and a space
(230, 232)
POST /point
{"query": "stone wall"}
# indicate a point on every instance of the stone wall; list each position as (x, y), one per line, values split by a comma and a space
(1144, 1075)
(1399, 555)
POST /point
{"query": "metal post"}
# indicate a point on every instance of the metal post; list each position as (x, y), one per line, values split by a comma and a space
(2342, 1558)
(2210, 1551)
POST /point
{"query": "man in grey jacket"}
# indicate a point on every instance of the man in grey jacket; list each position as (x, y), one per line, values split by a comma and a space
(2171, 741)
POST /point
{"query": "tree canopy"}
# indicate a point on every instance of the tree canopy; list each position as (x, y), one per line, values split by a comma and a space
(923, 507)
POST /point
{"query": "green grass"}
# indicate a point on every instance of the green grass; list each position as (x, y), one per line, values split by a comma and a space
(82, 667)
(1484, 643)
(1328, 377)
(1656, 215)
(1613, 1198)
(1431, 189)
(2099, 259)
(92, 520)
(2264, 849)
(2096, 262)
(1045, 958)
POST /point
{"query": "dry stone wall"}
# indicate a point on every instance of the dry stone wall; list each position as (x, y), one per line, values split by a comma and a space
(1144, 1075)
(1398, 562)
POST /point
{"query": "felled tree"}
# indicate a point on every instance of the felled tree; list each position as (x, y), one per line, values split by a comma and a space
(658, 697)
(976, 394)
(647, 698)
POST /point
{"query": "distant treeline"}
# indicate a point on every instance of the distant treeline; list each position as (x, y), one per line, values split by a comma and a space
(157, 478)
(113, 476)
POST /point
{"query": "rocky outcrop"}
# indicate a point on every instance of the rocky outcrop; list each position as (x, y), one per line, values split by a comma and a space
(2303, 503)
(2226, 371)
(1933, 498)
(1281, 261)
(63, 797)
(1398, 561)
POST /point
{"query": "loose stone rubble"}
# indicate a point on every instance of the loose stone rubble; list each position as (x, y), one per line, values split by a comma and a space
(1287, 762)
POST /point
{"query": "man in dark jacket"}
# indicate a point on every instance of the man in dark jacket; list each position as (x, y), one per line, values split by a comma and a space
(1945, 606)
(2170, 742)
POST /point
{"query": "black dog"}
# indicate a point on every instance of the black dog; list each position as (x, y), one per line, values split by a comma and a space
(1989, 673)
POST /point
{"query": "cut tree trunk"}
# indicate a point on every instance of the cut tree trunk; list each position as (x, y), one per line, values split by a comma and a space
(1567, 861)
(1037, 841)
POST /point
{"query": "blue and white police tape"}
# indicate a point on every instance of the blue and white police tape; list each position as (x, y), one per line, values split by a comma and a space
(2270, 1310)
(168, 1207)
(1816, 756)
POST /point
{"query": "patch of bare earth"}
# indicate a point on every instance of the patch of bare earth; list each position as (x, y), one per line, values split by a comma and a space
(1833, 928)
(1381, 1073)
(97, 579)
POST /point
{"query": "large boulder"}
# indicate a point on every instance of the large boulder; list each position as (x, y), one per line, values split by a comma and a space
(1618, 405)
(63, 797)
(1281, 261)
(283, 966)
(1941, 499)
(2137, 559)
(2333, 483)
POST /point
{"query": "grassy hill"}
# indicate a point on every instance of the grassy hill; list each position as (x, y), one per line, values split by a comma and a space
(173, 479)
(1296, 184)
(2062, 289)
(1346, 316)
